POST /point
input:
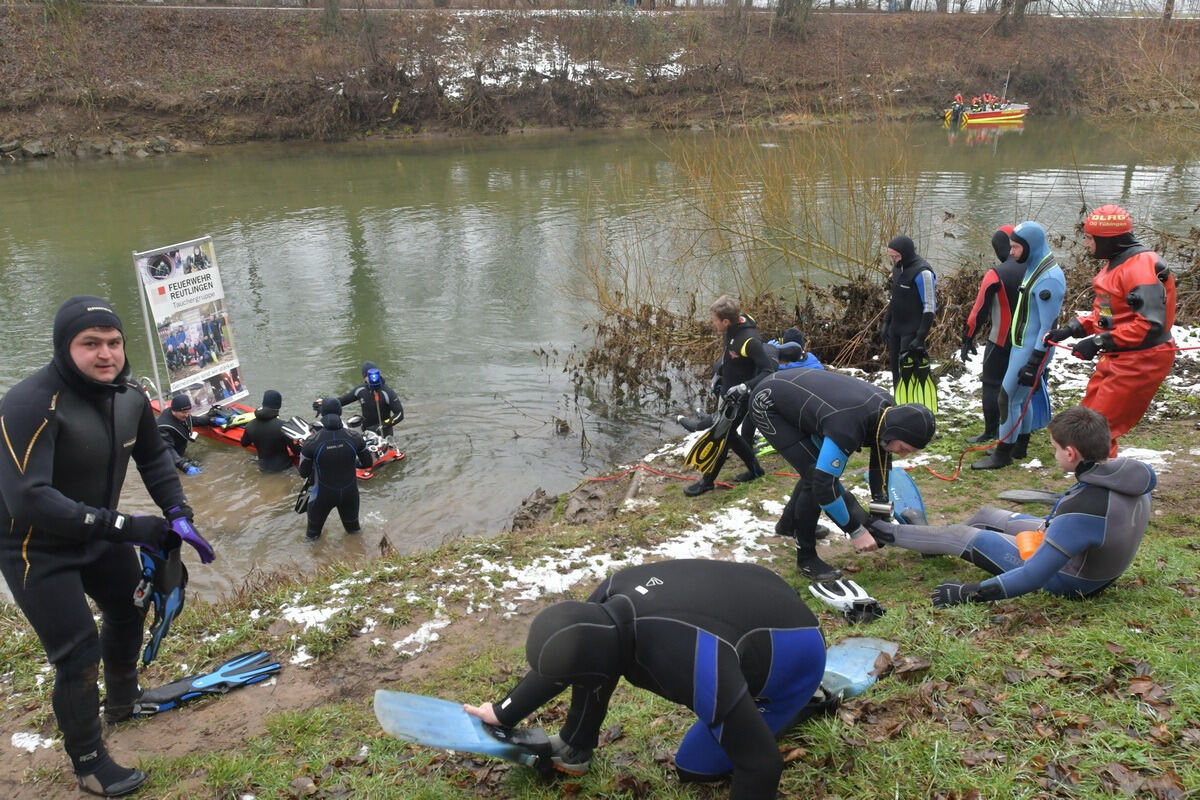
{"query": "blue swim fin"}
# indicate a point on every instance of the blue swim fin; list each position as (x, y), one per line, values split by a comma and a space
(433, 722)
(1039, 405)
(164, 586)
(242, 671)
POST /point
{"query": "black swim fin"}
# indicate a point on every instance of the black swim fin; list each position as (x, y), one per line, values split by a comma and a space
(242, 671)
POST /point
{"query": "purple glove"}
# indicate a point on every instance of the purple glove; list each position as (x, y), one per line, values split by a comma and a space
(181, 524)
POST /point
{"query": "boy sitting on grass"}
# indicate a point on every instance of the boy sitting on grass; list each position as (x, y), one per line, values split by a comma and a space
(1089, 538)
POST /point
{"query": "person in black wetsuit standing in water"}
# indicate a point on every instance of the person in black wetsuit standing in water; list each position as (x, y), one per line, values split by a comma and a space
(381, 406)
(816, 419)
(995, 302)
(265, 433)
(913, 303)
(175, 425)
(69, 431)
(331, 457)
(744, 362)
(732, 642)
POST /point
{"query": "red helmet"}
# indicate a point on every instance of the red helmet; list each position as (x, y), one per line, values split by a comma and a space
(1108, 220)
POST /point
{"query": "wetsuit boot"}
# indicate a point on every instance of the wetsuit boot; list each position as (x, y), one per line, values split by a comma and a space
(1001, 458)
(699, 487)
(568, 759)
(77, 706)
(1021, 448)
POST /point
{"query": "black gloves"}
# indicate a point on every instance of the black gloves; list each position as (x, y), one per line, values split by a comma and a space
(968, 349)
(953, 594)
(1028, 373)
(1087, 348)
(148, 530)
(1072, 330)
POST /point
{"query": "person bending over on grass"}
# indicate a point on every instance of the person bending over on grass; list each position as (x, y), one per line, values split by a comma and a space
(816, 419)
(732, 642)
(1088, 539)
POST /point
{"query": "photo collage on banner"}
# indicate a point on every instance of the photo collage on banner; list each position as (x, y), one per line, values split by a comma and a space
(187, 303)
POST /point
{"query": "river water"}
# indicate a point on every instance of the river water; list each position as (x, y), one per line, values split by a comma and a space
(451, 264)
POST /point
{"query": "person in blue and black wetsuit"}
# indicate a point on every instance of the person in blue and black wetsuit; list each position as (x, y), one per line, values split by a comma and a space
(1039, 299)
(732, 642)
(330, 458)
(1088, 540)
(913, 304)
(816, 419)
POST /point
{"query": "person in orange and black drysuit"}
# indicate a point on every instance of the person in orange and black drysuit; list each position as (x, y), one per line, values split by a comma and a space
(1130, 324)
(995, 302)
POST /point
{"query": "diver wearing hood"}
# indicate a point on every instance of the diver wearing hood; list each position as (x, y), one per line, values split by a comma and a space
(69, 432)
(176, 426)
(732, 642)
(816, 419)
(264, 433)
(1133, 311)
(1087, 541)
(330, 457)
(1039, 299)
(994, 304)
(912, 305)
(381, 406)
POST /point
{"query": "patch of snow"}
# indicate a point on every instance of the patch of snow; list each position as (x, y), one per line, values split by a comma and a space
(772, 508)
(1033, 463)
(422, 637)
(30, 742)
(255, 613)
(301, 657)
(309, 616)
(369, 624)
(1155, 458)
(635, 503)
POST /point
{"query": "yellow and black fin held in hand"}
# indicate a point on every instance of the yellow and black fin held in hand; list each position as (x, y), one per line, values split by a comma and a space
(925, 387)
(905, 390)
(704, 454)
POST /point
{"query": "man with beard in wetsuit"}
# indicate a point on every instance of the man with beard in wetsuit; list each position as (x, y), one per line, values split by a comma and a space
(994, 303)
(816, 419)
(912, 305)
(732, 642)
(265, 434)
(1130, 324)
(69, 431)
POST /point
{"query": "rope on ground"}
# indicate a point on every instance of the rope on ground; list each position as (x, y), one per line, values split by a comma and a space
(1015, 426)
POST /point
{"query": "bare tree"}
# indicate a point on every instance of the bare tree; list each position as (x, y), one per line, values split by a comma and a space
(333, 15)
(793, 15)
(1168, 9)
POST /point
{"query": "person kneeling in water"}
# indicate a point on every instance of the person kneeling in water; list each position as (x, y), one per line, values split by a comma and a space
(732, 642)
(1089, 538)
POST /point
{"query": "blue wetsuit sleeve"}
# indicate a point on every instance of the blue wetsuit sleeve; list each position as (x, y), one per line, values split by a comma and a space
(307, 454)
(1067, 536)
(927, 290)
(831, 463)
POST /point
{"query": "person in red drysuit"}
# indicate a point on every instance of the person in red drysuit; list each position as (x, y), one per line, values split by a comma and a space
(1130, 323)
